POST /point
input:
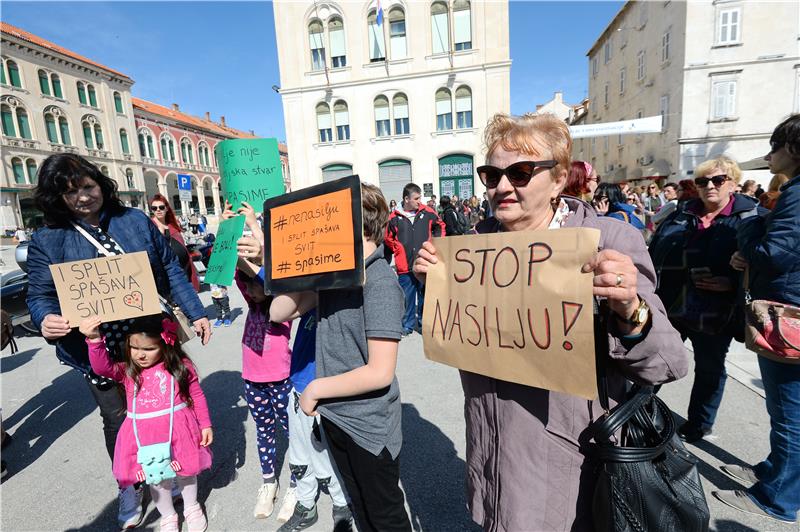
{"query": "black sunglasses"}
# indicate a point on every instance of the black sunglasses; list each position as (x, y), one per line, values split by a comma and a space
(519, 174)
(159, 207)
(718, 180)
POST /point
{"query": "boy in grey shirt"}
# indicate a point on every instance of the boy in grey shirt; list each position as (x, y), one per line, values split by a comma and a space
(356, 392)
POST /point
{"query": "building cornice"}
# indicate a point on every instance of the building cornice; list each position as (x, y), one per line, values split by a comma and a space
(620, 14)
(417, 75)
(716, 138)
(148, 118)
(731, 65)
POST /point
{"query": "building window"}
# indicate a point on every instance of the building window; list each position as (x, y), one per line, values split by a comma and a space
(19, 171)
(30, 166)
(605, 94)
(594, 66)
(400, 108)
(104, 170)
(664, 112)
(8, 121)
(607, 51)
(56, 82)
(440, 28)
(665, 47)
(341, 117)
(463, 108)
(98, 137)
(129, 178)
(13, 74)
(382, 123)
(151, 152)
(621, 80)
(315, 44)
(337, 43)
(142, 148)
(63, 126)
(50, 126)
(118, 102)
(187, 151)
(92, 96)
(324, 122)
(336, 171)
(377, 51)
(82, 93)
(397, 33)
(44, 83)
(444, 110)
(167, 148)
(723, 99)
(642, 14)
(641, 66)
(202, 151)
(728, 31)
(88, 140)
(123, 140)
(462, 25)
(23, 124)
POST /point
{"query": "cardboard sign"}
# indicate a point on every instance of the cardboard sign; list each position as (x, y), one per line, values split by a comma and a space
(250, 171)
(222, 263)
(314, 238)
(113, 288)
(515, 306)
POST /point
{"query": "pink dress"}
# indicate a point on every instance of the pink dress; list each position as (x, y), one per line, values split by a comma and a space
(154, 397)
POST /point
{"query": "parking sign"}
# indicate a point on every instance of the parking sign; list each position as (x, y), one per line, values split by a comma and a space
(185, 187)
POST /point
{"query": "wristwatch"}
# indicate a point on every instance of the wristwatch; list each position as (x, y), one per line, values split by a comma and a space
(639, 316)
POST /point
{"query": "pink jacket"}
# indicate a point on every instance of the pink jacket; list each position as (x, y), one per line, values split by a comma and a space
(524, 467)
(266, 354)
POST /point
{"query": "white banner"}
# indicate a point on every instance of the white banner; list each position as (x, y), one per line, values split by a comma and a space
(650, 124)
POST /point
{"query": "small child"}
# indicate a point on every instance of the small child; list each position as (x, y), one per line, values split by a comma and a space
(219, 296)
(165, 404)
(265, 371)
(356, 392)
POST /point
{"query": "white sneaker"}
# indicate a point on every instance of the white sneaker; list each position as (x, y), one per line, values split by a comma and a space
(265, 502)
(287, 508)
(130, 507)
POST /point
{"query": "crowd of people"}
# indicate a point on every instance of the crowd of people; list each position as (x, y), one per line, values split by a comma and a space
(672, 265)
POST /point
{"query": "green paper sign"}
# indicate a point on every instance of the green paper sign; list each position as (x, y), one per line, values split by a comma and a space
(250, 171)
(222, 264)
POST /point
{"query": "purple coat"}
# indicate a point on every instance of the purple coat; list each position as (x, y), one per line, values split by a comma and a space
(524, 467)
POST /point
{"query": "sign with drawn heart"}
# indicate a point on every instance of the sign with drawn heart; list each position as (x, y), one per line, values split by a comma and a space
(113, 288)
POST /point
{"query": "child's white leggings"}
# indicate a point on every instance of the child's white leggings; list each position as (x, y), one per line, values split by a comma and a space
(162, 494)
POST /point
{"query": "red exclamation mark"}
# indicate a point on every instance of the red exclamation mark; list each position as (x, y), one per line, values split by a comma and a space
(569, 314)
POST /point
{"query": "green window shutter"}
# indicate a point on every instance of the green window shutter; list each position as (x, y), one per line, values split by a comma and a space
(191, 153)
(13, 73)
(123, 138)
(22, 122)
(150, 150)
(185, 157)
(142, 150)
(57, 87)
(87, 136)
(164, 152)
(44, 83)
(82, 93)
(31, 164)
(118, 102)
(8, 123)
(2, 73)
(64, 126)
(98, 133)
(171, 151)
(52, 132)
(92, 97)
(19, 171)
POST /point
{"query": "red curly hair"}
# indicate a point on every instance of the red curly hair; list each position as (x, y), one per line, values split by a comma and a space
(171, 219)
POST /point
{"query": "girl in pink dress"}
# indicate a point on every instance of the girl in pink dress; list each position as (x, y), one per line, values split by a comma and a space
(163, 395)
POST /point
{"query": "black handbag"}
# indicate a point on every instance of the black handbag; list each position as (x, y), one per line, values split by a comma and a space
(647, 480)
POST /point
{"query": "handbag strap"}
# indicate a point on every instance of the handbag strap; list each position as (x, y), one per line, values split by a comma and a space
(171, 411)
(601, 352)
(746, 285)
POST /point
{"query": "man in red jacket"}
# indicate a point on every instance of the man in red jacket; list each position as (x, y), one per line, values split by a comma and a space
(411, 224)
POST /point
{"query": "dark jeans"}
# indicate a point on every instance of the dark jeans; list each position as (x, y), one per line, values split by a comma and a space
(709, 378)
(778, 488)
(223, 307)
(415, 297)
(112, 410)
(371, 481)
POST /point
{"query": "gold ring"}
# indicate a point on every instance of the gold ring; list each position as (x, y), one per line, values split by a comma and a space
(619, 279)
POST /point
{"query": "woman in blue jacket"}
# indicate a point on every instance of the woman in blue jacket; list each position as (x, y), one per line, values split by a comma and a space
(70, 191)
(771, 247)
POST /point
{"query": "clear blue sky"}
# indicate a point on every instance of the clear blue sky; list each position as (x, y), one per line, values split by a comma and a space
(221, 56)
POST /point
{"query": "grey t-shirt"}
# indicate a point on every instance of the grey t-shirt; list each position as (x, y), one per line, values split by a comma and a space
(346, 318)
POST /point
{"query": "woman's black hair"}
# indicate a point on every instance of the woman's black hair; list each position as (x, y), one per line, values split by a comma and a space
(787, 134)
(57, 174)
(612, 191)
(444, 202)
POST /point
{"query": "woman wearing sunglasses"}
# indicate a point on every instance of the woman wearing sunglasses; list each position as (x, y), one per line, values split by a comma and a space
(691, 251)
(525, 468)
(164, 218)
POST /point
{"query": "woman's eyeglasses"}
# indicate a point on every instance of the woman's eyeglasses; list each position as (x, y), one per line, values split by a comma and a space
(718, 180)
(158, 207)
(519, 174)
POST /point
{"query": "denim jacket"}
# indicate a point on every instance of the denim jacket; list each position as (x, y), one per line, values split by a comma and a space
(133, 231)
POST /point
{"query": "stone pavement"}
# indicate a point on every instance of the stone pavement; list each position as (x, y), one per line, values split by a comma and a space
(60, 479)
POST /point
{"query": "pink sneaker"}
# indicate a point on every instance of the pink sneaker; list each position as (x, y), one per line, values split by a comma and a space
(195, 518)
(169, 523)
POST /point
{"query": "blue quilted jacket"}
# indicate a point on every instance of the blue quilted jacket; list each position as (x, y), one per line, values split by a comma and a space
(132, 230)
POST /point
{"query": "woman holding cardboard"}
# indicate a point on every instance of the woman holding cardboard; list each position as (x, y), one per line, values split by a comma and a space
(525, 468)
(80, 204)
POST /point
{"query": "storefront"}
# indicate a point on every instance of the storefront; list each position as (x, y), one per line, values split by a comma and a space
(456, 176)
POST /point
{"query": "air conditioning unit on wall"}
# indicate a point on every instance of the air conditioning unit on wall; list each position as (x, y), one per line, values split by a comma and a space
(643, 161)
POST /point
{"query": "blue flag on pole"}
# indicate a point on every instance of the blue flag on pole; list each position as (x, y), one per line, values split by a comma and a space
(380, 13)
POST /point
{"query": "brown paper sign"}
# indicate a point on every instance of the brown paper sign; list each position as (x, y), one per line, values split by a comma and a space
(515, 306)
(113, 288)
